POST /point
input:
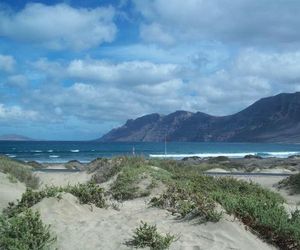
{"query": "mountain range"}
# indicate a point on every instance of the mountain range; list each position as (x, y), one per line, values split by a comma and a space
(271, 119)
(15, 137)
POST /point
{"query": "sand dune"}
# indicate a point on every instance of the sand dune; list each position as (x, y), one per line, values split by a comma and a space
(9, 191)
(62, 179)
(87, 227)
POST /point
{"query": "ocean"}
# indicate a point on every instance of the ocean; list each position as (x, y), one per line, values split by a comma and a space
(85, 151)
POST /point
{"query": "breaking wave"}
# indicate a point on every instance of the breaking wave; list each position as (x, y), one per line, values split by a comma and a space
(229, 155)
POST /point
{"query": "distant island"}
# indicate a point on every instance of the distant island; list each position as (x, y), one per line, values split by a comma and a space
(14, 137)
(273, 119)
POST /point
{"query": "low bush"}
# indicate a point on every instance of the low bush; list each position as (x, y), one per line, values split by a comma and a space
(268, 217)
(147, 236)
(19, 170)
(187, 204)
(86, 193)
(30, 198)
(25, 232)
(261, 209)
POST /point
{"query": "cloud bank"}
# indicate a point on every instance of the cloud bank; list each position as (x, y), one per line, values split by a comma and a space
(87, 69)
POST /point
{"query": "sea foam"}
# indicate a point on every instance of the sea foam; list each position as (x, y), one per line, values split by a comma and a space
(54, 156)
(229, 155)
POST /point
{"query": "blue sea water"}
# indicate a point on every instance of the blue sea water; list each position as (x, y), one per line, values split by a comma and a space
(63, 151)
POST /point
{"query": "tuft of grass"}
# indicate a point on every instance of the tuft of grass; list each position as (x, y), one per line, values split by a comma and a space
(104, 169)
(19, 171)
(125, 186)
(25, 232)
(12, 179)
(134, 171)
(86, 193)
(147, 236)
(89, 193)
(187, 204)
(292, 182)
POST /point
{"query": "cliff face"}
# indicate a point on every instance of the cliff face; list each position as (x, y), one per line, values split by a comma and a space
(272, 119)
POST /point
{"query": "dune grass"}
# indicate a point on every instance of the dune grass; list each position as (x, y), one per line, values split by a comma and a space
(187, 204)
(21, 228)
(134, 171)
(292, 183)
(192, 194)
(104, 169)
(189, 193)
(86, 193)
(18, 170)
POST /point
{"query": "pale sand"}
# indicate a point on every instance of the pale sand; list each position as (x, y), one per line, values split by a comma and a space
(273, 170)
(217, 170)
(86, 227)
(9, 191)
(55, 166)
(62, 178)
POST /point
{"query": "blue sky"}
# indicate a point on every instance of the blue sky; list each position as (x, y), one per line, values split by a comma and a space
(72, 70)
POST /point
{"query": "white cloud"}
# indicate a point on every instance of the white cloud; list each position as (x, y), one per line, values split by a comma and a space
(244, 22)
(162, 89)
(154, 33)
(12, 113)
(116, 91)
(7, 63)
(59, 26)
(281, 67)
(99, 103)
(131, 72)
(19, 81)
(50, 68)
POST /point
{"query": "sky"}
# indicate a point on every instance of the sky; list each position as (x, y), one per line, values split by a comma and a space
(73, 70)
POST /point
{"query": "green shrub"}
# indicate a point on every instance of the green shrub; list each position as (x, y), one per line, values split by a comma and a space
(147, 236)
(292, 182)
(19, 170)
(30, 198)
(259, 208)
(185, 203)
(86, 193)
(25, 232)
(137, 178)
